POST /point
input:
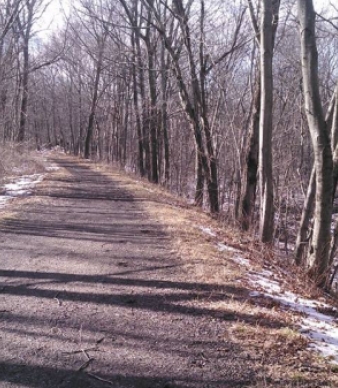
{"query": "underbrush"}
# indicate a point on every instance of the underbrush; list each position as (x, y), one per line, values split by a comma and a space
(17, 160)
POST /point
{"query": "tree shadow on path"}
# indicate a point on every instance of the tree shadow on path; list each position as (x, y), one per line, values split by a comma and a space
(92, 295)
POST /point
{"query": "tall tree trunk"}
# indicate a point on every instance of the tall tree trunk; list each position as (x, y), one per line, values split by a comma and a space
(199, 180)
(334, 140)
(251, 158)
(145, 113)
(303, 236)
(212, 179)
(24, 98)
(151, 44)
(137, 110)
(80, 123)
(319, 256)
(265, 126)
(91, 120)
(153, 116)
(164, 115)
(250, 164)
(25, 28)
(135, 16)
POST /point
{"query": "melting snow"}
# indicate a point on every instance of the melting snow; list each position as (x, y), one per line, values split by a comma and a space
(53, 168)
(21, 187)
(207, 231)
(223, 247)
(321, 329)
(241, 261)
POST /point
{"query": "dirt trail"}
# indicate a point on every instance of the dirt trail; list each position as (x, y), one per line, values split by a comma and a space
(93, 294)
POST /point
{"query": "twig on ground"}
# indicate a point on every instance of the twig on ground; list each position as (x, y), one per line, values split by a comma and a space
(100, 379)
(83, 351)
(86, 354)
(100, 340)
(57, 299)
(85, 364)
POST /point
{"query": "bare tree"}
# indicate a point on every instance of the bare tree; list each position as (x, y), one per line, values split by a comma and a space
(25, 24)
(269, 20)
(192, 89)
(250, 157)
(319, 254)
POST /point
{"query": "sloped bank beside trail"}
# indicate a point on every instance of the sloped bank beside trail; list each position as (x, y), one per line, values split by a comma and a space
(109, 281)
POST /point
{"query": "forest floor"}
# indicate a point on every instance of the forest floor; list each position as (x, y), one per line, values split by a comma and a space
(110, 281)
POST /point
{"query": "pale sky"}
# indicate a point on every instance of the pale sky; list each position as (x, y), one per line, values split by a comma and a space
(54, 14)
(52, 17)
(320, 4)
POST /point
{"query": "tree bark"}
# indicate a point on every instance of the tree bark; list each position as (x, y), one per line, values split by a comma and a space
(318, 259)
(265, 126)
(199, 181)
(92, 114)
(303, 235)
(164, 114)
(25, 28)
(24, 99)
(334, 141)
(91, 120)
(153, 116)
(137, 109)
(250, 165)
(249, 173)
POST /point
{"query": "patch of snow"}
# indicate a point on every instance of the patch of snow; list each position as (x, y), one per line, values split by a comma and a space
(270, 287)
(325, 341)
(223, 248)
(319, 328)
(207, 231)
(53, 168)
(21, 187)
(241, 261)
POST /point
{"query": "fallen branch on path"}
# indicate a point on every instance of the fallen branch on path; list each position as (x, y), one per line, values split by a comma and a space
(100, 379)
(85, 364)
(94, 349)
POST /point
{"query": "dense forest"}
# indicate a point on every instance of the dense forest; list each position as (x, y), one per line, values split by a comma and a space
(231, 104)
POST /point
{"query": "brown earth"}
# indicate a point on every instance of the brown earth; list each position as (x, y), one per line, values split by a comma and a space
(106, 281)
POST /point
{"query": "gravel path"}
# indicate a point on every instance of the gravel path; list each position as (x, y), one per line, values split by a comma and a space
(92, 294)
